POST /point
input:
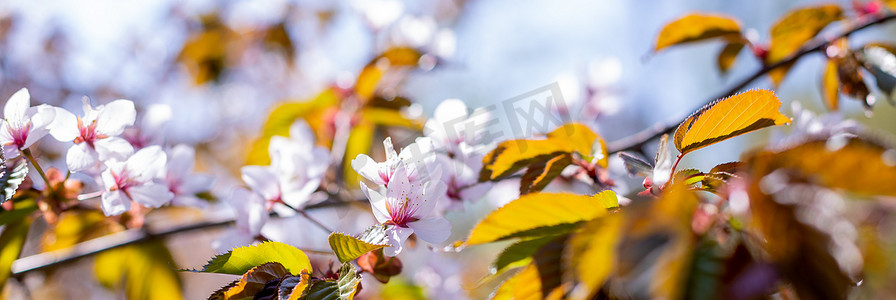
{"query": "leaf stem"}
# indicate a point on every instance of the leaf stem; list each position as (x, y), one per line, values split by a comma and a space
(27, 153)
(675, 166)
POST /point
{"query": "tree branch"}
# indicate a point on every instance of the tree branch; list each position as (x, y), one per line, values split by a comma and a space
(636, 141)
(45, 260)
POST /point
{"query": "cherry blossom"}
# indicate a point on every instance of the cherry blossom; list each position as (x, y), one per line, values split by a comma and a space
(296, 169)
(419, 157)
(181, 180)
(409, 208)
(454, 130)
(140, 178)
(22, 124)
(95, 134)
(251, 216)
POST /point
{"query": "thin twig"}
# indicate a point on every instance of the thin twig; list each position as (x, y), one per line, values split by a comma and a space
(636, 141)
(27, 153)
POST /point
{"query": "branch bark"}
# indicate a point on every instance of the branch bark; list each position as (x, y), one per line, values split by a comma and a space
(636, 141)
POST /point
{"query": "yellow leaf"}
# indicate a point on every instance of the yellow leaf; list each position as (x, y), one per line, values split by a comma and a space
(857, 165)
(792, 31)
(592, 251)
(831, 85)
(284, 115)
(146, 269)
(541, 214)
(371, 76)
(389, 117)
(697, 27)
(359, 140)
(525, 285)
(538, 176)
(728, 55)
(513, 155)
(727, 118)
(673, 213)
(12, 239)
(77, 226)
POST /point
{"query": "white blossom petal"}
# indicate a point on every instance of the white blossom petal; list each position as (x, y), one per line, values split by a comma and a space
(65, 126)
(368, 168)
(262, 180)
(115, 116)
(301, 132)
(147, 164)
(115, 203)
(181, 159)
(112, 148)
(396, 236)
(81, 157)
(432, 230)
(151, 194)
(377, 202)
(16, 106)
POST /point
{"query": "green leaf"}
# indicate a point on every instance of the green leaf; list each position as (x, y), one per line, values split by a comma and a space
(11, 178)
(22, 209)
(11, 241)
(243, 259)
(541, 214)
(636, 166)
(348, 248)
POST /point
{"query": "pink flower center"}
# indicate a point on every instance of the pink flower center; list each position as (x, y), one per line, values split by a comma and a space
(88, 133)
(404, 213)
(123, 181)
(19, 133)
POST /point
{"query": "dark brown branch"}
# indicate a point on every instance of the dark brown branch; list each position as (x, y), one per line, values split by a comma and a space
(45, 260)
(636, 141)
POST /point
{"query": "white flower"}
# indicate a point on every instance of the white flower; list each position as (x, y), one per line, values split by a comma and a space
(409, 208)
(296, 169)
(453, 129)
(418, 157)
(22, 124)
(251, 216)
(181, 180)
(461, 177)
(151, 127)
(95, 134)
(138, 179)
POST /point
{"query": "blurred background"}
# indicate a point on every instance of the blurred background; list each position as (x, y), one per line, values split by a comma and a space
(222, 65)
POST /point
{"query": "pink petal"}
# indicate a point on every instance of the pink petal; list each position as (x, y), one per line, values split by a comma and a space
(433, 230)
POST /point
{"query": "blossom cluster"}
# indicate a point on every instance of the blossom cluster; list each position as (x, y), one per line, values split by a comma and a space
(144, 173)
